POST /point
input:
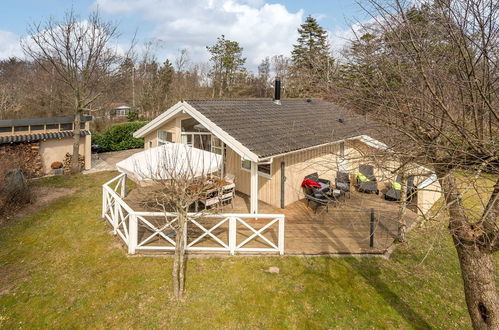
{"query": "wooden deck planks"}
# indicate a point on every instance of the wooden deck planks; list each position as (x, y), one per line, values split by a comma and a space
(341, 230)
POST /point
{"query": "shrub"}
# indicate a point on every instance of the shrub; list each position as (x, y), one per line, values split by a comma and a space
(15, 192)
(119, 137)
(133, 116)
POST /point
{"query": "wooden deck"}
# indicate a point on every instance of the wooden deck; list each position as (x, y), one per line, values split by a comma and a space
(344, 229)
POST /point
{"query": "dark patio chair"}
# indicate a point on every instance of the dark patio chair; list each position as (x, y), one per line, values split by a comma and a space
(411, 188)
(342, 183)
(315, 177)
(370, 186)
(393, 194)
(320, 198)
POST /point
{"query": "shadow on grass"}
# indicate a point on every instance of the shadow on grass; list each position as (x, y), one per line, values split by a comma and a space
(370, 270)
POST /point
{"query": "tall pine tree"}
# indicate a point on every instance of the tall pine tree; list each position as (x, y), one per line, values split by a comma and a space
(227, 65)
(312, 63)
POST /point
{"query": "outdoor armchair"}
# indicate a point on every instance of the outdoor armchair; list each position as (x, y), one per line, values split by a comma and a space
(325, 184)
(320, 197)
(394, 191)
(365, 180)
(342, 182)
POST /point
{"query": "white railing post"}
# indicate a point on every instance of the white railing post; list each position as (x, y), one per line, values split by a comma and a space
(123, 187)
(280, 243)
(133, 231)
(232, 235)
(104, 201)
(116, 215)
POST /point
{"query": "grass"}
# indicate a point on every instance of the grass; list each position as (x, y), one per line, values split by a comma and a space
(61, 268)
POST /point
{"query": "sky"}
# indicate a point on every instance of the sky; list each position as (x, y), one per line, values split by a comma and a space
(262, 27)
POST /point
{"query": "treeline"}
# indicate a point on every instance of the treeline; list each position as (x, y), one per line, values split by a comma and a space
(33, 87)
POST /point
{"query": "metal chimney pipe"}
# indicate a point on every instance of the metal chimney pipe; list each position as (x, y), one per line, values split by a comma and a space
(277, 91)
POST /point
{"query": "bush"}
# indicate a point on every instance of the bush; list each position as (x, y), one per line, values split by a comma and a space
(119, 137)
(15, 192)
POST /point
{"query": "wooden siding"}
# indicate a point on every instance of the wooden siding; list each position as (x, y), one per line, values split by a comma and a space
(323, 160)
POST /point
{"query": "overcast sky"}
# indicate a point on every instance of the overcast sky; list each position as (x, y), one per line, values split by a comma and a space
(263, 28)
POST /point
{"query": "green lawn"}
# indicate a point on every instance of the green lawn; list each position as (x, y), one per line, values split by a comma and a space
(62, 268)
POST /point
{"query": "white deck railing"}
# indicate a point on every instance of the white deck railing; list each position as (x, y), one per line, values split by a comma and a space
(236, 232)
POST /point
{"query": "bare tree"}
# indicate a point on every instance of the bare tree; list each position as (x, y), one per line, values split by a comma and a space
(79, 54)
(180, 178)
(430, 75)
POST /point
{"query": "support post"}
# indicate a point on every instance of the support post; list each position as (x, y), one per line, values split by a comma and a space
(232, 235)
(280, 243)
(123, 187)
(371, 229)
(254, 188)
(132, 233)
(116, 215)
(104, 202)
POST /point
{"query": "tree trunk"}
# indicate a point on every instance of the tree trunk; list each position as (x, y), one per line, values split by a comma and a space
(477, 262)
(179, 257)
(478, 272)
(75, 159)
(402, 229)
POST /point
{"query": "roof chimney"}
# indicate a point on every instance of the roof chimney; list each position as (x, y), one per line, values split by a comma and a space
(277, 91)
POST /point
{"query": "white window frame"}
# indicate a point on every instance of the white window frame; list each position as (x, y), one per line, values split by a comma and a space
(260, 173)
(163, 141)
(121, 112)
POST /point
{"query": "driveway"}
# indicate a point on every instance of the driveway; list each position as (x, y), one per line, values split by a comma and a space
(106, 161)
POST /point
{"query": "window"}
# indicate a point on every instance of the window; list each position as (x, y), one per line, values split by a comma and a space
(21, 129)
(342, 149)
(164, 137)
(6, 129)
(264, 170)
(37, 127)
(191, 125)
(217, 145)
(66, 127)
(122, 112)
(52, 126)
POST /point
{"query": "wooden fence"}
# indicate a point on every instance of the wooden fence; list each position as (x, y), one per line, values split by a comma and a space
(225, 232)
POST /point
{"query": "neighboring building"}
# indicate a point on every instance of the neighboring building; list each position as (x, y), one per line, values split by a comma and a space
(269, 146)
(120, 110)
(52, 137)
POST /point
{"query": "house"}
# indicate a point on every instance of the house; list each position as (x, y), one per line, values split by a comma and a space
(48, 138)
(269, 146)
(120, 110)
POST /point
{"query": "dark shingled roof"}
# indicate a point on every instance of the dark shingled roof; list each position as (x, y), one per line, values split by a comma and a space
(269, 129)
(38, 137)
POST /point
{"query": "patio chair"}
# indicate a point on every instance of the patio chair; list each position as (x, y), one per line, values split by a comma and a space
(411, 188)
(325, 184)
(210, 198)
(320, 198)
(342, 183)
(227, 194)
(365, 180)
(395, 190)
(229, 177)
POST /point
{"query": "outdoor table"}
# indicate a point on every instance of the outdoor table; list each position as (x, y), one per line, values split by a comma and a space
(209, 185)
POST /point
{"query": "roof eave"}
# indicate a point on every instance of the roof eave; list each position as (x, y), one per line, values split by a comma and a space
(183, 106)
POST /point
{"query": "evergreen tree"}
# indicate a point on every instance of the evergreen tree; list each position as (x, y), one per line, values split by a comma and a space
(312, 63)
(227, 65)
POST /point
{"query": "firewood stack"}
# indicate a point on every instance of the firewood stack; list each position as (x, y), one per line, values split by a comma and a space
(67, 162)
(25, 156)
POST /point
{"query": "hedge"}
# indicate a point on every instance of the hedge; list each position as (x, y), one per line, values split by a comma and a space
(119, 137)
